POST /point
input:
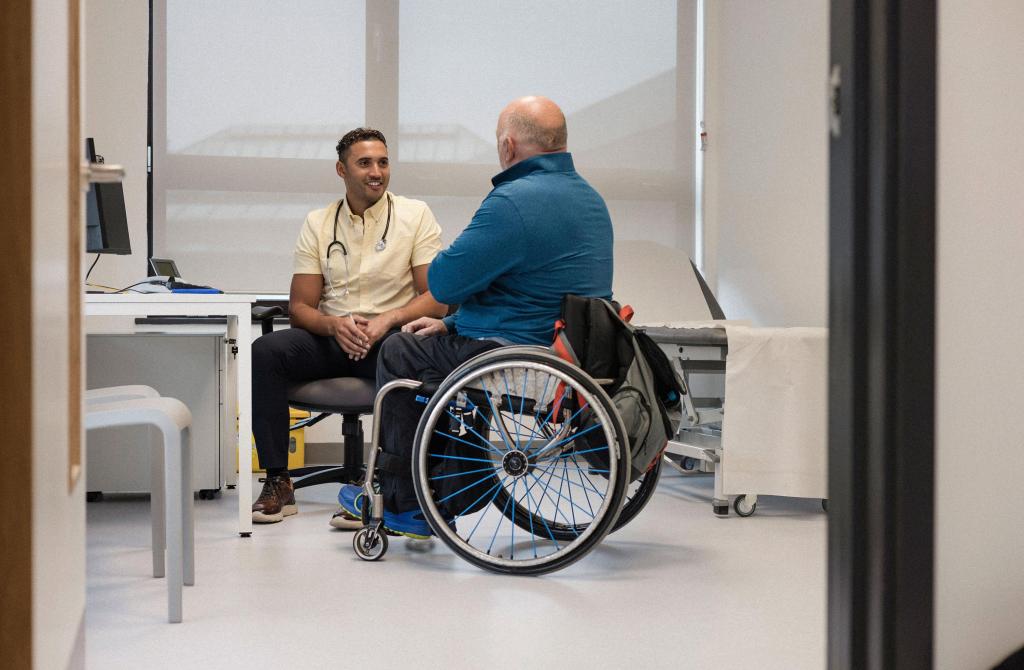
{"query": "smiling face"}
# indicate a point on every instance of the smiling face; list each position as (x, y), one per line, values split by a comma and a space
(366, 173)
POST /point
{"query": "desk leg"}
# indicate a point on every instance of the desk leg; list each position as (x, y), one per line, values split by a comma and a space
(239, 329)
(229, 417)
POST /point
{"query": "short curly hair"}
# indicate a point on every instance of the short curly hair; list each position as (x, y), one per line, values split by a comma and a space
(358, 135)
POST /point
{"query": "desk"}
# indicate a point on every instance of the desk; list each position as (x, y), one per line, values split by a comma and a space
(237, 309)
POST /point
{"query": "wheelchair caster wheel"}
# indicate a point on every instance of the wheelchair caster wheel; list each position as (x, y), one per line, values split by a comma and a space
(742, 507)
(720, 510)
(369, 545)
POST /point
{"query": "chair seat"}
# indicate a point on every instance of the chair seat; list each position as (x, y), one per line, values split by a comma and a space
(338, 395)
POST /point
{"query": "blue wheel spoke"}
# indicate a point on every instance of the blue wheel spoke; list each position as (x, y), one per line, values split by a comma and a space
(529, 508)
(508, 394)
(497, 419)
(482, 496)
(537, 504)
(512, 538)
(571, 454)
(522, 396)
(462, 458)
(467, 443)
(464, 473)
(579, 474)
(568, 480)
(480, 412)
(466, 488)
(504, 511)
(490, 447)
(520, 424)
(536, 414)
(566, 440)
(544, 494)
(568, 489)
(561, 398)
(571, 503)
(487, 508)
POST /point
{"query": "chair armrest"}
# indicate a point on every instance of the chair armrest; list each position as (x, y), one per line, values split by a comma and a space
(266, 316)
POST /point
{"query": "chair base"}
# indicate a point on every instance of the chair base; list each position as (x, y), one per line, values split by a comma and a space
(327, 474)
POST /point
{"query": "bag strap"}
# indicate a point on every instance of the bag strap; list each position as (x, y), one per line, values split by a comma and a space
(561, 345)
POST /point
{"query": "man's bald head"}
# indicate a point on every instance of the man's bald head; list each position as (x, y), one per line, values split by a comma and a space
(530, 126)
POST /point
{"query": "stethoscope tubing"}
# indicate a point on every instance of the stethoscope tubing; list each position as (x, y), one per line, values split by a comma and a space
(381, 245)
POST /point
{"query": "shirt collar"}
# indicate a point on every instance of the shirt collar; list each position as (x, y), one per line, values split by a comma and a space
(377, 210)
(559, 162)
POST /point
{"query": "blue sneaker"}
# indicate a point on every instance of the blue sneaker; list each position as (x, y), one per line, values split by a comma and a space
(411, 524)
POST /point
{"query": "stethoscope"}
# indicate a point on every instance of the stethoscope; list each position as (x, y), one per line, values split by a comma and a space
(381, 245)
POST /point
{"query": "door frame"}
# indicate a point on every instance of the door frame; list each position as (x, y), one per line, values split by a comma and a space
(16, 354)
(882, 334)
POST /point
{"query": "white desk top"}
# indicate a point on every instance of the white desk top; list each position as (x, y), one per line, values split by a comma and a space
(148, 298)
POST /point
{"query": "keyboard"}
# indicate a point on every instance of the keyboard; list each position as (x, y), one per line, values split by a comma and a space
(173, 284)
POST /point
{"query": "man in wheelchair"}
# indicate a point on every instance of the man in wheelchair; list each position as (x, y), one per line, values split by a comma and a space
(542, 232)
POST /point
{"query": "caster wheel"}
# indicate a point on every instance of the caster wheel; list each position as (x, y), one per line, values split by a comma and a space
(245, 534)
(720, 510)
(688, 464)
(742, 507)
(824, 504)
(369, 545)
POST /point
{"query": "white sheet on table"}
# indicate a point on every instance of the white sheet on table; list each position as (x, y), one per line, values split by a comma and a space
(775, 432)
(706, 323)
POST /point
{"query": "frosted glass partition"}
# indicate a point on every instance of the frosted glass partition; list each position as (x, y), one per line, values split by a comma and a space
(263, 78)
(612, 73)
(251, 97)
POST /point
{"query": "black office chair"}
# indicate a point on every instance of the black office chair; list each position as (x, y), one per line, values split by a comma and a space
(351, 397)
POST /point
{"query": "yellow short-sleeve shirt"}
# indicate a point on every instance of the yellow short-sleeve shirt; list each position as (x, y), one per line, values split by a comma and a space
(377, 281)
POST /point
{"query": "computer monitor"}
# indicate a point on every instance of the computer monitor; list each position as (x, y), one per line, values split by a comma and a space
(106, 222)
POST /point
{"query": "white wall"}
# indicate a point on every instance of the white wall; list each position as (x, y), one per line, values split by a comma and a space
(116, 44)
(766, 207)
(58, 516)
(979, 535)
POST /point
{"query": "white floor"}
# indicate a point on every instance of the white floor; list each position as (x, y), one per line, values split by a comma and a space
(676, 588)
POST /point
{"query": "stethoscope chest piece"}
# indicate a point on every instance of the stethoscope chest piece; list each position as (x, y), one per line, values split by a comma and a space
(381, 245)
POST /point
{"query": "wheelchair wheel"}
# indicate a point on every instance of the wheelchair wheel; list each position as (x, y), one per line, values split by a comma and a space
(536, 456)
(638, 494)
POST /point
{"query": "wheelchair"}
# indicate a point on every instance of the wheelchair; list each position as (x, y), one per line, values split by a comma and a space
(520, 464)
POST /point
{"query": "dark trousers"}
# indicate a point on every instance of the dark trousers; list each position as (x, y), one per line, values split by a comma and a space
(285, 357)
(427, 359)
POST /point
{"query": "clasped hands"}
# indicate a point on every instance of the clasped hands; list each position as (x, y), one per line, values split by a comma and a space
(356, 335)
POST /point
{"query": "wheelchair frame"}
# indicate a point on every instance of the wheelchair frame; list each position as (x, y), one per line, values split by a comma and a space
(530, 472)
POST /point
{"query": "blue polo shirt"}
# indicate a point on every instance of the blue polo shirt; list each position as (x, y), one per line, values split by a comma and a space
(542, 232)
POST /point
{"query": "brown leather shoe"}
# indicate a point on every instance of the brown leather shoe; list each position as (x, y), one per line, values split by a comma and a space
(276, 501)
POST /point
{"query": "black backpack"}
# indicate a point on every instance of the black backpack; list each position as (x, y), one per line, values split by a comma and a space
(596, 335)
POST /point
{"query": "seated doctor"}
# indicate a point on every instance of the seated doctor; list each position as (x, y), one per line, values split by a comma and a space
(360, 272)
(540, 233)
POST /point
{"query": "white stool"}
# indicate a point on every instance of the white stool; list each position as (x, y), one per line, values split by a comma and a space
(116, 393)
(172, 480)
(110, 394)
